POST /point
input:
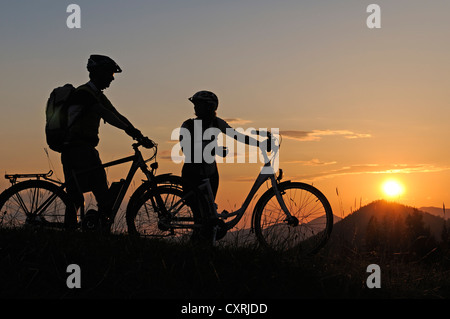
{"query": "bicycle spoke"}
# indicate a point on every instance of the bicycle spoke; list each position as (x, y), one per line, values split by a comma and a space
(18, 199)
(310, 227)
(33, 202)
(171, 220)
(45, 204)
(146, 210)
(35, 198)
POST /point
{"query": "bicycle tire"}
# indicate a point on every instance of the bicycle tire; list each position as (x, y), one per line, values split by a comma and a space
(33, 202)
(166, 180)
(312, 211)
(143, 220)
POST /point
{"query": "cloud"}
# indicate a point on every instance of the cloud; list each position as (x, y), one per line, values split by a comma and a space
(376, 169)
(317, 135)
(245, 179)
(313, 162)
(237, 121)
(167, 155)
(355, 170)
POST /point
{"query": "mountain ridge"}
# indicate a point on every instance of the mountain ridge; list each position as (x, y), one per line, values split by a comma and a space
(436, 211)
(352, 229)
(386, 216)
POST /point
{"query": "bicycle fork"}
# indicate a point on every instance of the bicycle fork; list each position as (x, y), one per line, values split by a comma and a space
(163, 215)
(290, 219)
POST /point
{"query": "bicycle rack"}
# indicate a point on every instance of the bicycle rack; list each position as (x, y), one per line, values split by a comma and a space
(14, 177)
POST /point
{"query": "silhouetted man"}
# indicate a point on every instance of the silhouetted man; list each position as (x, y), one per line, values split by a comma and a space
(87, 106)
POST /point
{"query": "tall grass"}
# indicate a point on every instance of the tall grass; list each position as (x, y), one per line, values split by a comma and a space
(33, 264)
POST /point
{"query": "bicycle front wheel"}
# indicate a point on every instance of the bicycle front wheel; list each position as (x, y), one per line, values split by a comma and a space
(146, 218)
(33, 202)
(306, 232)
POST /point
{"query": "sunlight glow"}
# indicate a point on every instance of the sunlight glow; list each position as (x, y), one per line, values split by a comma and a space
(393, 188)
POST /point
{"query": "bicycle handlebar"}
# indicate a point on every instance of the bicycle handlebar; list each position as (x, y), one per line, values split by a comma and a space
(145, 142)
(270, 139)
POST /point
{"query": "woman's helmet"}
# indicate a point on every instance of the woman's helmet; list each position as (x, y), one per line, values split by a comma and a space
(102, 63)
(205, 98)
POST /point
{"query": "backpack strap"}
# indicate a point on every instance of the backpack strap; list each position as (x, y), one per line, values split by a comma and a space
(83, 110)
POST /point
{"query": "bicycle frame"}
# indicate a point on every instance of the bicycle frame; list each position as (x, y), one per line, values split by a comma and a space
(137, 160)
(260, 179)
(263, 176)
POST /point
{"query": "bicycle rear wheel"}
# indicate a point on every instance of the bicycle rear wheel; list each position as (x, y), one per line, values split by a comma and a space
(174, 221)
(307, 232)
(33, 202)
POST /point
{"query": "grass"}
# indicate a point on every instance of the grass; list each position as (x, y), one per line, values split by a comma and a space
(33, 264)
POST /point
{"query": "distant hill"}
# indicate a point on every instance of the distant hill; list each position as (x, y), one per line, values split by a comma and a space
(388, 215)
(436, 211)
(247, 237)
(351, 231)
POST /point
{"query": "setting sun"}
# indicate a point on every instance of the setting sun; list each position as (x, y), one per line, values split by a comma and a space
(392, 188)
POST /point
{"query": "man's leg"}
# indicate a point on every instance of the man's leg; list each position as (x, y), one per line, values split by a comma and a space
(99, 187)
(73, 191)
(70, 216)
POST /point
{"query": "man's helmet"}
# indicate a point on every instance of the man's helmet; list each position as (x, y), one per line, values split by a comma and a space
(102, 63)
(205, 98)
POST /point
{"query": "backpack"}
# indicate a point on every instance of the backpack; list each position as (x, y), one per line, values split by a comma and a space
(56, 127)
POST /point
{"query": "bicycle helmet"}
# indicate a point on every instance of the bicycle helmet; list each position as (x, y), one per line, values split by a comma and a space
(205, 98)
(102, 63)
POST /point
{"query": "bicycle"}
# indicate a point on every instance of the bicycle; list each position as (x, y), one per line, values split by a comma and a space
(43, 201)
(288, 216)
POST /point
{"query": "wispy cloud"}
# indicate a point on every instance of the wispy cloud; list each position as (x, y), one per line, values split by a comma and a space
(232, 157)
(237, 121)
(167, 155)
(358, 169)
(317, 135)
(313, 162)
(377, 169)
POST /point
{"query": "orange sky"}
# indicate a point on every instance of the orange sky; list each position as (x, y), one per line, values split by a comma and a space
(355, 106)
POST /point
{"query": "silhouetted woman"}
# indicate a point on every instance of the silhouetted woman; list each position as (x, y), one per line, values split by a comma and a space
(196, 136)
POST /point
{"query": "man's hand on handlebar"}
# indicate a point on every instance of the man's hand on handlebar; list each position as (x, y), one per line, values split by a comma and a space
(146, 142)
(137, 135)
